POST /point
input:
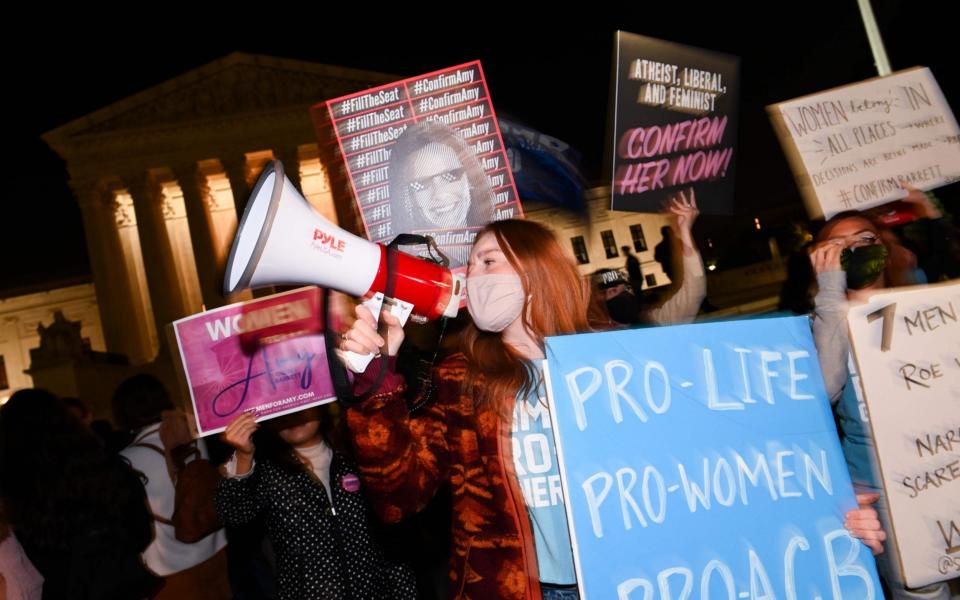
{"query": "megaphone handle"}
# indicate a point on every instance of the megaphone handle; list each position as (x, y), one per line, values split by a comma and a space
(358, 362)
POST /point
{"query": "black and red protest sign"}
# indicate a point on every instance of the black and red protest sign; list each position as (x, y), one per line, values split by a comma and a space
(423, 155)
(675, 124)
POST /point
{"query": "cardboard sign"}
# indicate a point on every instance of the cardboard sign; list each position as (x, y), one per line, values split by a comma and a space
(850, 147)
(703, 461)
(907, 346)
(423, 155)
(267, 355)
(675, 124)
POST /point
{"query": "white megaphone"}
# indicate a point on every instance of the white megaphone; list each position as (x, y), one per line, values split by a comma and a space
(282, 241)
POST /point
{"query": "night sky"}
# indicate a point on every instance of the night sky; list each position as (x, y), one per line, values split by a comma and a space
(553, 77)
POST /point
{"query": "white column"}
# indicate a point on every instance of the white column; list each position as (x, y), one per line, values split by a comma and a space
(123, 319)
(193, 185)
(166, 295)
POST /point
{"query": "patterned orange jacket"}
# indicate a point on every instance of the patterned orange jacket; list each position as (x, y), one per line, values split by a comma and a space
(404, 459)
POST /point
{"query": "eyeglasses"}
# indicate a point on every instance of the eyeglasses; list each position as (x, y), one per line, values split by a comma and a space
(863, 239)
(451, 176)
(858, 240)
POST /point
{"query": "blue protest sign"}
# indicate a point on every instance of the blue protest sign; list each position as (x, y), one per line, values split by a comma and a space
(702, 461)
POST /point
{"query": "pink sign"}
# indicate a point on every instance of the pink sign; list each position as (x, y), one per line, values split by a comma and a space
(266, 355)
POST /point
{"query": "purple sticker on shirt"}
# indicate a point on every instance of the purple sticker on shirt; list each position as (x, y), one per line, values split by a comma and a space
(350, 483)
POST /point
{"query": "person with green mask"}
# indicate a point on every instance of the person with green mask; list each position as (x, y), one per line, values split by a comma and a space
(853, 257)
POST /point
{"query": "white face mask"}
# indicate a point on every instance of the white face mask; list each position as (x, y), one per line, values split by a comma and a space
(494, 301)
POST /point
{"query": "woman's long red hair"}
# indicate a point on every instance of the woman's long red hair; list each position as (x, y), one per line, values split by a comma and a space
(556, 300)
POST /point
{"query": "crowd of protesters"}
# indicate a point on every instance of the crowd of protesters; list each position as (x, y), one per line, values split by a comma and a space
(301, 506)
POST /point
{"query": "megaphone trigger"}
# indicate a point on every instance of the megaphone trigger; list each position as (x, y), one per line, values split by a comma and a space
(375, 304)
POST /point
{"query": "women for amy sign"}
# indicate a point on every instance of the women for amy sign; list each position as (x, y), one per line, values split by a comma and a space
(702, 461)
(266, 355)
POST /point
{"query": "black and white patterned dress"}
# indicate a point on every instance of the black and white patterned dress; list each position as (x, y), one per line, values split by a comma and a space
(323, 552)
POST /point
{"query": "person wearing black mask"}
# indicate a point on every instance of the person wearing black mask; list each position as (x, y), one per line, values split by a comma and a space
(622, 304)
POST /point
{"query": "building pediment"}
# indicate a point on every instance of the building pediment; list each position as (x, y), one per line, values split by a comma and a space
(236, 85)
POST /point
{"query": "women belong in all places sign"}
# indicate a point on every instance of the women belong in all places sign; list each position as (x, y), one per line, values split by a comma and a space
(702, 461)
(851, 146)
(267, 355)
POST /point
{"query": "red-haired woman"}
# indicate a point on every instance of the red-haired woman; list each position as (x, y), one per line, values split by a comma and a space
(485, 431)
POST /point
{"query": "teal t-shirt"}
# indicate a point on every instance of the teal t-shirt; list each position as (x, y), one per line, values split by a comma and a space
(857, 440)
(535, 459)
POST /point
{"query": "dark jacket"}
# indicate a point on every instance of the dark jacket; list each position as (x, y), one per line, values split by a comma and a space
(322, 551)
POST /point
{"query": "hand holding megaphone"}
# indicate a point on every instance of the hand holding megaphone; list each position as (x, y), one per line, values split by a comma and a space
(363, 337)
(282, 241)
(393, 311)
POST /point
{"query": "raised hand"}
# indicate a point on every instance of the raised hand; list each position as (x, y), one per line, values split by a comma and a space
(825, 256)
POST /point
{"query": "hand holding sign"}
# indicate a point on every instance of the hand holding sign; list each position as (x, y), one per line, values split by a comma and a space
(864, 523)
(239, 434)
(920, 202)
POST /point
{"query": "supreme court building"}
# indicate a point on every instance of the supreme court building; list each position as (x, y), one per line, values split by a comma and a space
(162, 175)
